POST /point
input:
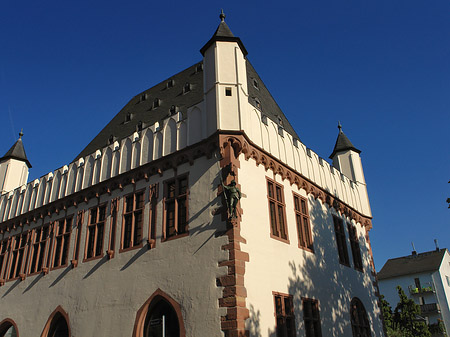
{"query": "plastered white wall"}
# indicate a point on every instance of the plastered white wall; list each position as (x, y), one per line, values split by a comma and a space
(277, 266)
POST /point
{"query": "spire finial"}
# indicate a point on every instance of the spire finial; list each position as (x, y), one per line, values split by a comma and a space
(222, 16)
(339, 126)
(20, 133)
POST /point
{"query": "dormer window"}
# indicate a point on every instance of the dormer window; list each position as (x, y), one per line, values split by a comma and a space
(170, 84)
(139, 126)
(280, 121)
(111, 140)
(128, 117)
(156, 103)
(143, 97)
(199, 68)
(173, 110)
(186, 88)
(258, 103)
(255, 84)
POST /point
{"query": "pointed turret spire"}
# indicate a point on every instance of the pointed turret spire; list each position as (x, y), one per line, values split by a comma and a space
(17, 151)
(223, 33)
(343, 143)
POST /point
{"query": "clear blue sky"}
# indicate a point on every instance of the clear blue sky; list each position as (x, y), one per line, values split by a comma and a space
(380, 67)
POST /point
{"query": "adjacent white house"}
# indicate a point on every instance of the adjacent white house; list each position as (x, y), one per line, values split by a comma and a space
(144, 230)
(425, 277)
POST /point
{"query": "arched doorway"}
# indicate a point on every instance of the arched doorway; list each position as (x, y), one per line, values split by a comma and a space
(57, 324)
(8, 328)
(161, 320)
(158, 309)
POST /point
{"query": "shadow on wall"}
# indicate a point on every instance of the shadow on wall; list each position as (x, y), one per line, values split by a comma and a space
(320, 276)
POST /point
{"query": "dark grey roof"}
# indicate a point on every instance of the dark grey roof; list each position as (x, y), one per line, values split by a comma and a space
(223, 33)
(412, 264)
(141, 107)
(258, 92)
(17, 151)
(343, 144)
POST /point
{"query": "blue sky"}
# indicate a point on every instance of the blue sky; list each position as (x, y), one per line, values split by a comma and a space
(380, 67)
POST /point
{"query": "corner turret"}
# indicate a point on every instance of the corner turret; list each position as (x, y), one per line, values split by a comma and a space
(346, 158)
(14, 167)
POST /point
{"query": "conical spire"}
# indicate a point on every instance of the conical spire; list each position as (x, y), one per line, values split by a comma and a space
(343, 143)
(223, 33)
(17, 151)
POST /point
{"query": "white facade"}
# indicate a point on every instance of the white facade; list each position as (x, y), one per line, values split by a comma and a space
(220, 278)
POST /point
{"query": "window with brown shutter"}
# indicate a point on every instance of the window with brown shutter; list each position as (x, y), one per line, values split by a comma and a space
(18, 247)
(63, 229)
(40, 242)
(133, 217)
(341, 241)
(303, 224)
(175, 207)
(95, 232)
(284, 314)
(277, 212)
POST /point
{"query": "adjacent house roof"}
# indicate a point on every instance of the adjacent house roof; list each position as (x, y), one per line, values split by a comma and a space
(412, 264)
(17, 151)
(343, 143)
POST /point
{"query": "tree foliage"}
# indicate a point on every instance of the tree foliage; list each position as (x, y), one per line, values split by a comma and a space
(405, 320)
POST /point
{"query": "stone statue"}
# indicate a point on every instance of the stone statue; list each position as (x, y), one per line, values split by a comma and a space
(232, 196)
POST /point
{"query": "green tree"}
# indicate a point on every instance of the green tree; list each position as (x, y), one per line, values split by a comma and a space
(406, 316)
(389, 323)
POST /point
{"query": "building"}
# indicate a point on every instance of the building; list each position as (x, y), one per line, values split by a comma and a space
(145, 229)
(425, 277)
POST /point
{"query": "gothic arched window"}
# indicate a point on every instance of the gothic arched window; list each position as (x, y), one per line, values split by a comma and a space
(360, 322)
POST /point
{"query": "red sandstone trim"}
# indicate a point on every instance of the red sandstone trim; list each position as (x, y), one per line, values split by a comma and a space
(59, 310)
(6, 324)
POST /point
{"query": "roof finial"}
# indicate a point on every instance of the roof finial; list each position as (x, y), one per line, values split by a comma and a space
(20, 133)
(339, 126)
(222, 16)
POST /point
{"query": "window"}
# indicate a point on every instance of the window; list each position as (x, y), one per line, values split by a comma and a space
(41, 240)
(80, 217)
(255, 84)
(354, 244)
(284, 313)
(156, 103)
(143, 97)
(175, 207)
(311, 317)
(275, 195)
(153, 197)
(3, 255)
(199, 68)
(340, 241)
(264, 119)
(170, 83)
(303, 224)
(18, 246)
(446, 277)
(186, 87)
(132, 220)
(62, 229)
(227, 91)
(173, 110)
(95, 232)
(360, 322)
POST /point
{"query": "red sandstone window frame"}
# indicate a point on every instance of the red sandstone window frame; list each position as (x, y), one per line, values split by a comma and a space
(302, 220)
(311, 317)
(96, 226)
(277, 211)
(60, 259)
(354, 245)
(17, 257)
(136, 214)
(4, 250)
(39, 248)
(284, 315)
(341, 241)
(114, 211)
(76, 251)
(180, 194)
(153, 201)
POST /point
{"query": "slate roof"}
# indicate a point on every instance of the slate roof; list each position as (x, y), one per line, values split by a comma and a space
(144, 111)
(17, 151)
(343, 144)
(412, 264)
(140, 110)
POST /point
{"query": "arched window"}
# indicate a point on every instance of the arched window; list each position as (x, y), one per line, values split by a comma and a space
(57, 324)
(360, 322)
(159, 313)
(8, 328)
